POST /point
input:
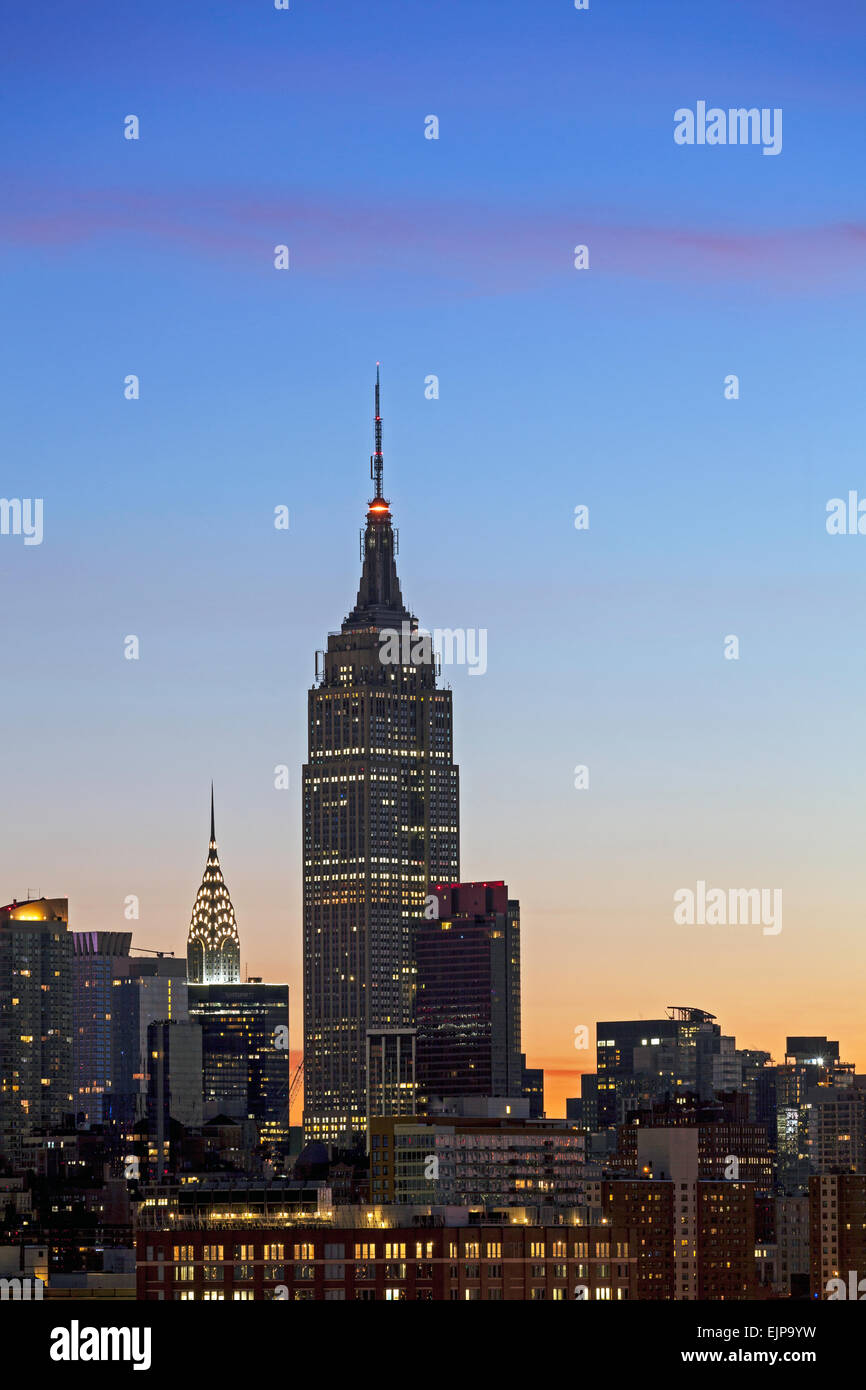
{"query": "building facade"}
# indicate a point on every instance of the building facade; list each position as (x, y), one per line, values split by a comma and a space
(98, 959)
(640, 1060)
(153, 991)
(245, 1054)
(389, 1257)
(174, 1087)
(35, 1020)
(380, 822)
(467, 1000)
(837, 1236)
(213, 947)
(472, 1162)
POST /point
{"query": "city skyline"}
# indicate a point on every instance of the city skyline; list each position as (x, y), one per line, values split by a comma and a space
(557, 388)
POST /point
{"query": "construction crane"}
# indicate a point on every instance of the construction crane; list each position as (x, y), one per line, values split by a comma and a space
(149, 951)
(293, 1088)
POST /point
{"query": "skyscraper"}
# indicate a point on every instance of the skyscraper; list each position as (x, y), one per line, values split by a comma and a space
(174, 1091)
(98, 959)
(468, 994)
(809, 1062)
(35, 1020)
(152, 991)
(380, 818)
(213, 949)
(245, 1053)
(643, 1059)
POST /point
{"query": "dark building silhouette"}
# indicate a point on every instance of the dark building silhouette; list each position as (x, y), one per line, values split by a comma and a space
(380, 821)
(153, 990)
(174, 1087)
(642, 1059)
(418, 1257)
(98, 959)
(533, 1088)
(467, 1003)
(725, 1133)
(245, 1053)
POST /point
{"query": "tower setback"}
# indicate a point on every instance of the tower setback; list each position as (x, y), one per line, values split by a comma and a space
(380, 822)
(213, 949)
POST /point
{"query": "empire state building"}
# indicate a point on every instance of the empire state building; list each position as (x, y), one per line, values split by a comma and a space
(380, 823)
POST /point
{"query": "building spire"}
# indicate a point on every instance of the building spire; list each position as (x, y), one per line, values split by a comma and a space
(213, 947)
(376, 461)
(379, 602)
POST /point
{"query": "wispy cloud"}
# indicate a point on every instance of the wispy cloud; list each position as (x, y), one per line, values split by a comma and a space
(456, 245)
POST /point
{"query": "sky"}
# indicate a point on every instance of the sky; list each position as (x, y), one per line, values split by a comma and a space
(603, 387)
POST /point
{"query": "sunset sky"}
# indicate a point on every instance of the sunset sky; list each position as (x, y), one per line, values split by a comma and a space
(558, 387)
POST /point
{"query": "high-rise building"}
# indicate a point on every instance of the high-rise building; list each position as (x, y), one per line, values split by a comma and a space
(759, 1083)
(712, 1241)
(391, 1085)
(792, 1243)
(245, 1053)
(836, 1128)
(467, 1004)
(730, 1145)
(641, 1060)
(35, 1020)
(452, 1160)
(154, 991)
(380, 822)
(98, 959)
(213, 949)
(809, 1062)
(533, 1087)
(837, 1236)
(174, 1086)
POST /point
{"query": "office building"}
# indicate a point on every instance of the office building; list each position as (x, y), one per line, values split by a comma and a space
(730, 1145)
(810, 1062)
(467, 1003)
(391, 1085)
(837, 1236)
(245, 1054)
(174, 1094)
(380, 822)
(153, 991)
(641, 1060)
(389, 1255)
(213, 948)
(35, 1021)
(472, 1161)
(98, 959)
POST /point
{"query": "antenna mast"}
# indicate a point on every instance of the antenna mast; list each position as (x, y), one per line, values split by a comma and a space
(377, 462)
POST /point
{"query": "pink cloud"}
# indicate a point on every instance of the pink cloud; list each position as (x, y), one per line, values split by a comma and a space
(457, 246)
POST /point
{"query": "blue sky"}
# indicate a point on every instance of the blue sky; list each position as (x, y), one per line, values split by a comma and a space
(557, 387)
